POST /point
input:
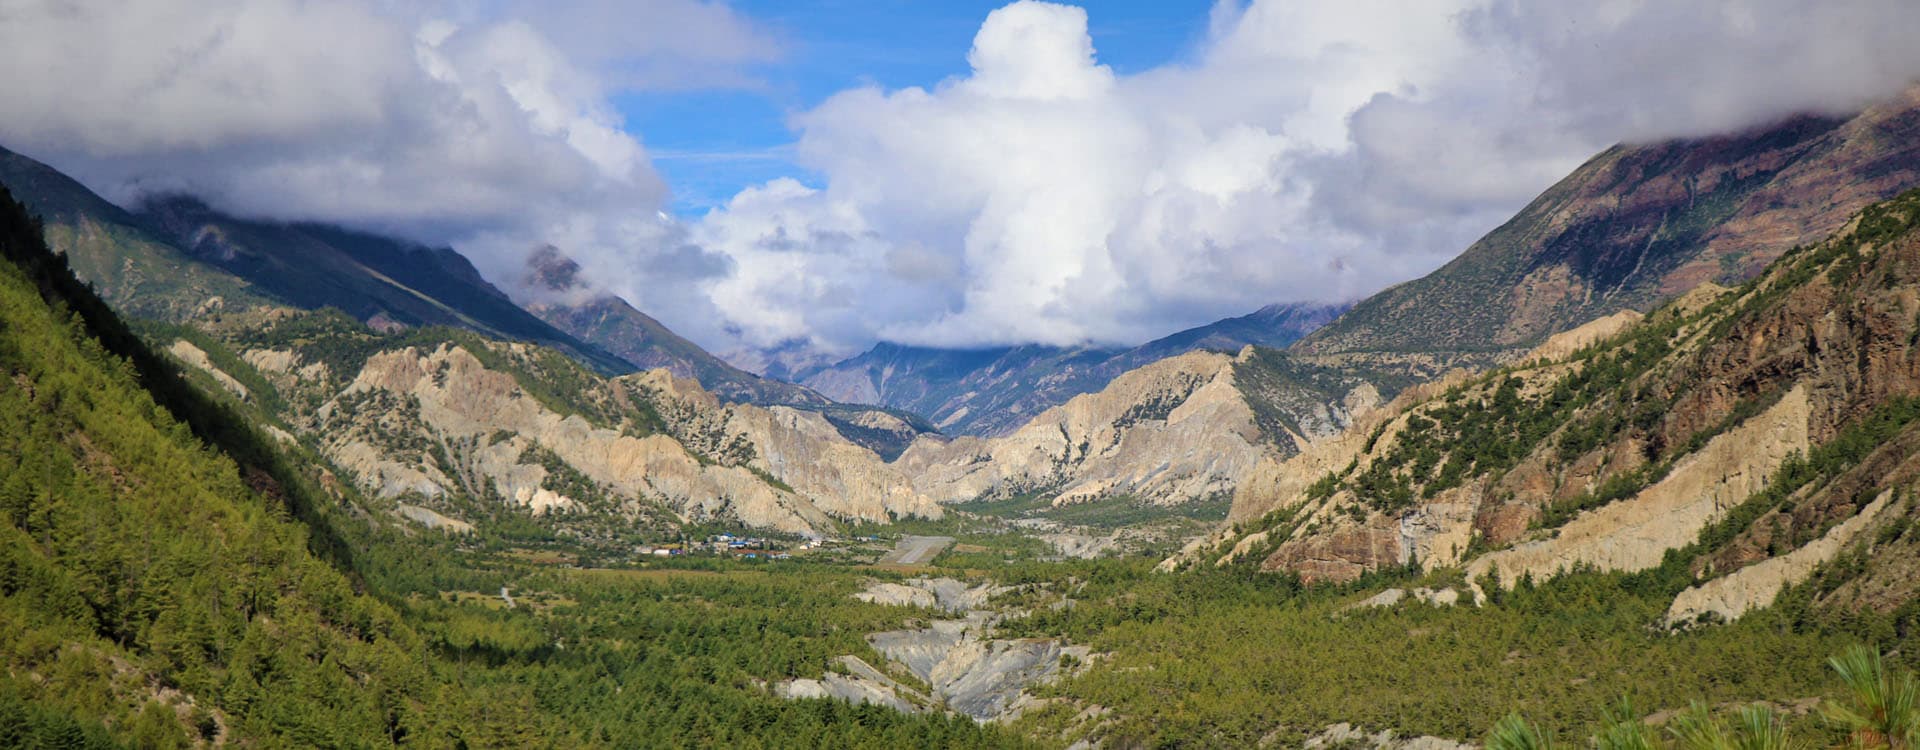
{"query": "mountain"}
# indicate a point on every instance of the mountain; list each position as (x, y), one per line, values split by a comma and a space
(140, 271)
(562, 300)
(1184, 429)
(1738, 441)
(1639, 224)
(993, 391)
(176, 259)
(384, 281)
(487, 432)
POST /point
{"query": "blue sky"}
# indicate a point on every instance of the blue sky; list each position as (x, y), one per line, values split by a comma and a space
(708, 144)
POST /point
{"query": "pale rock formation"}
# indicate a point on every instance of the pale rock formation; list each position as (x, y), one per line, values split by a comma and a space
(978, 676)
(861, 683)
(1566, 343)
(1634, 534)
(1393, 596)
(1168, 432)
(799, 447)
(970, 672)
(1756, 585)
(185, 351)
(463, 405)
(941, 593)
(1344, 735)
(432, 520)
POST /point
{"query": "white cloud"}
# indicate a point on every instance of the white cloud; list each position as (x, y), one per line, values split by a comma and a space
(1308, 150)
(1311, 151)
(442, 121)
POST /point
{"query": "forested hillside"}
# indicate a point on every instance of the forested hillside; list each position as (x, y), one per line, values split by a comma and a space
(154, 585)
(170, 578)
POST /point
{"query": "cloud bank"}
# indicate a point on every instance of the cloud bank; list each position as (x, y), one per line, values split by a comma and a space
(1302, 152)
(1310, 151)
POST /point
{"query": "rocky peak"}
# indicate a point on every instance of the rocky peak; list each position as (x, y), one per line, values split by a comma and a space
(549, 270)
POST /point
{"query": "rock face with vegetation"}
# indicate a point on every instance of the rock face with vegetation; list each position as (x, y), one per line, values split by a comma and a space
(1181, 429)
(1756, 432)
(149, 575)
(458, 423)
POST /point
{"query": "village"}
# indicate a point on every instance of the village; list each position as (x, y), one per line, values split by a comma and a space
(729, 545)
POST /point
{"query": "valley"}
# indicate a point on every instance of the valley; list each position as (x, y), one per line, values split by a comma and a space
(1638, 468)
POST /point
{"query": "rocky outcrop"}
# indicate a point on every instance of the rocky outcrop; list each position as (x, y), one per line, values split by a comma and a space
(970, 671)
(859, 683)
(456, 398)
(801, 448)
(1394, 596)
(1344, 735)
(1565, 344)
(428, 518)
(1633, 534)
(196, 357)
(932, 593)
(1728, 597)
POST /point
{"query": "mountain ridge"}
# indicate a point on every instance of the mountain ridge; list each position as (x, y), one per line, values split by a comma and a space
(559, 297)
(992, 391)
(1637, 224)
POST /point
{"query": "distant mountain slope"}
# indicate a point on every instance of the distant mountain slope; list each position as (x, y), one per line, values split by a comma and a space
(994, 391)
(612, 324)
(381, 280)
(175, 259)
(1178, 430)
(505, 434)
(1640, 223)
(135, 268)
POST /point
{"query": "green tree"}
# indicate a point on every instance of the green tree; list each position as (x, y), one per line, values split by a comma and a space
(1879, 711)
(1516, 733)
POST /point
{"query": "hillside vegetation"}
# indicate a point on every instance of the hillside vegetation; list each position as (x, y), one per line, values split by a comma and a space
(167, 583)
(1762, 417)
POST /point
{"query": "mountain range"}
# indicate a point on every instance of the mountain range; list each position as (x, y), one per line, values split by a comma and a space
(1075, 424)
(262, 481)
(993, 391)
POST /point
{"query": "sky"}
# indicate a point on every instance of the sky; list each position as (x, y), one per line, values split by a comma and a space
(710, 144)
(819, 176)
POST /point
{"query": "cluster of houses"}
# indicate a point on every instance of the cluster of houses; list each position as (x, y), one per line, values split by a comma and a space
(749, 547)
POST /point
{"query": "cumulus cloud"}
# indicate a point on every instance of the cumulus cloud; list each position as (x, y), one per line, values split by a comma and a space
(1310, 151)
(1302, 151)
(487, 126)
